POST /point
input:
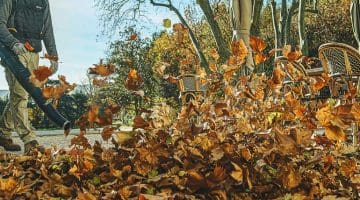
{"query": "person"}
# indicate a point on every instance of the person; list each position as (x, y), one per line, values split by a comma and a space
(24, 24)
(240, 15)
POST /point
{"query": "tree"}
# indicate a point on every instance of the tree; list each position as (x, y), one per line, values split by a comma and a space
(331, 24)
(282, 28)
(256, 18)
(3, 102)
(127, 55)
(221, 43)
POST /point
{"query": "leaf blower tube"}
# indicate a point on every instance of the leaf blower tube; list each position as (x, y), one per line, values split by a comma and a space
(22, 74)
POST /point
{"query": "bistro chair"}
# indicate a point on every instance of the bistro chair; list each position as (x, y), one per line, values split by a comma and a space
(191, 87)
(342, 62)
(298, 69)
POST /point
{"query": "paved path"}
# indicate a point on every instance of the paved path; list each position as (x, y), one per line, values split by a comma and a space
(49, 138)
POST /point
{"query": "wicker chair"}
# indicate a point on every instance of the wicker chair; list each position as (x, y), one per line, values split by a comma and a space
(342, 62)
(289, 79)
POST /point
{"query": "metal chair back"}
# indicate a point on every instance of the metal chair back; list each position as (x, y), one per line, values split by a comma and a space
(191, 86)
(191, 83)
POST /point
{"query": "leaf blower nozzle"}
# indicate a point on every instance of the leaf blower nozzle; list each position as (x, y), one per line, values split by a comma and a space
(67, 126)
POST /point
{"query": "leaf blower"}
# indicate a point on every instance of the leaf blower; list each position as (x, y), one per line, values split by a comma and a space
(10, 61)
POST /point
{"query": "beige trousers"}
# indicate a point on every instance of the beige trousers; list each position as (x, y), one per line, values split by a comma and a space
(241, 14)
(15, 116)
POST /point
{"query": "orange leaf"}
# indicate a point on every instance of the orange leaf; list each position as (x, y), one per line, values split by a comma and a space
(319, 82)
(291, 55)
(277, 80)
(239, 50)
(92, 115)
(139, 122)
(8, 184)
(179, 27)
(55, 92)
(29, 47)
(53, 58)
(290, 177)
(171, 79)
(102, 69)
(42, 73)
(214, 54)
(348, 168)
(257, 45)
(260, 58)
(133, 37)
(133, 81)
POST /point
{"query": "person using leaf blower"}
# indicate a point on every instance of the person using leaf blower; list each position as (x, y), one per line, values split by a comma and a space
(24, 24)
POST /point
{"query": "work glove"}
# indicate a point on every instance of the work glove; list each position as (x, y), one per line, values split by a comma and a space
(54, 66)
(19, 48)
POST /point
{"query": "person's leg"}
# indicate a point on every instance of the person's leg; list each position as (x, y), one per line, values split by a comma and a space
(6, 120)
(20, 101)
(241, 14)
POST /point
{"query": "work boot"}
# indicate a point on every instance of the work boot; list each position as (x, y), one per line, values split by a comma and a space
(9, 145)
(32, 145)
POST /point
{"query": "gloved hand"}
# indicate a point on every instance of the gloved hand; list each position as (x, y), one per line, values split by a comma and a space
(19, 48)
(54, 66)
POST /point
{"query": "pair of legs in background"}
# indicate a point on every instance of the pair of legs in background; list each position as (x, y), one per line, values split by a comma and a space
(241, 17)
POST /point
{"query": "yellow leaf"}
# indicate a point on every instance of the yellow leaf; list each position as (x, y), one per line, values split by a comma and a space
(122, 137)
(335, 133)
(7, 184)
(167, 23)
(85, 196)
(237, 174)
(290, 178)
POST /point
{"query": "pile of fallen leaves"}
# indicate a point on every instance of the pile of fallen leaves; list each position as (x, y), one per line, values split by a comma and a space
(257, 141)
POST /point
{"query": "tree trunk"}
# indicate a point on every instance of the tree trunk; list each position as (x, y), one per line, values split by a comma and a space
(221, 44)
(276, 27)
(283, 18)
(302, 32)
(290, 15)
(256, 17)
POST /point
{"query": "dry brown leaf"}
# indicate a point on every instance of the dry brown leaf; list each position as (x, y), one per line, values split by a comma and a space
(103, 70)
(239, 50)
(290, 177)
(107, 132)
(348, 168)
(133, 81)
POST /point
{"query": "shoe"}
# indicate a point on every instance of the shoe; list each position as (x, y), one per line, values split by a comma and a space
(9, 145)
(33, 145)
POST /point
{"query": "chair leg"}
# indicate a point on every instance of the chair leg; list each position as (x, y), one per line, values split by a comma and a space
(355, 132)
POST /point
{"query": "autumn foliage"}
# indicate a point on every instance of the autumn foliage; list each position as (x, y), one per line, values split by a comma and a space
(259, 140)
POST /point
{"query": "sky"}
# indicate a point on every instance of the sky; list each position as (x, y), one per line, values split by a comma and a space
(78, 37)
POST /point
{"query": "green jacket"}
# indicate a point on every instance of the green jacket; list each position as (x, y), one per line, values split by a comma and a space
(6, 9)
